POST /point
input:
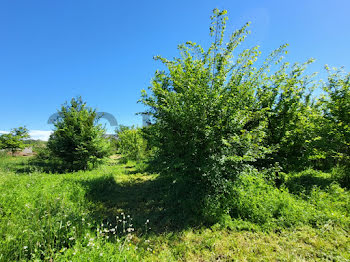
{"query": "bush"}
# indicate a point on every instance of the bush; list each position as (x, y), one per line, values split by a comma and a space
(342, 175)
(259, 202)
(334, 128)
(214, 116)
(131, 143)
(77, 141)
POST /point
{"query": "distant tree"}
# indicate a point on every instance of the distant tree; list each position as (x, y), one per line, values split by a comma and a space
(14, 140)
(131, 143)
(78, 141)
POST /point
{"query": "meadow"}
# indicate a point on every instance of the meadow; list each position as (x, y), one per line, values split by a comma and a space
(240, 161)
(123, 212)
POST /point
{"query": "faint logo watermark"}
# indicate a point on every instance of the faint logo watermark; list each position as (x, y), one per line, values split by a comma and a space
(146, 119)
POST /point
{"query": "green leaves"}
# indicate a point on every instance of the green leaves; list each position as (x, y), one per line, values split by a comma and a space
(208, 121)
(216, 113)
(131, 143)
(13, 141)
(77, 140)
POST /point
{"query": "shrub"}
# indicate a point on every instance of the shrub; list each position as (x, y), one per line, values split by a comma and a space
(260, 202)
(78, 141)
(334, 128)
(131, 143)
(342, 175)
(214, 116)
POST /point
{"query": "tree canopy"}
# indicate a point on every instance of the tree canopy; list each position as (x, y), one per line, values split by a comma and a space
(78, 141)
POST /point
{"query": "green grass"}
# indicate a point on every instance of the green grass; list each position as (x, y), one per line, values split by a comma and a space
(84, 216)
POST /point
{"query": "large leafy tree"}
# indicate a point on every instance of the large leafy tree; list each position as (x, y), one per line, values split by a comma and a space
(78, 141)
(14, 140)
(215, 113)
(333, 129)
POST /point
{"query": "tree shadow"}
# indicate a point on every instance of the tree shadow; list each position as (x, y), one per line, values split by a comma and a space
(143, 200)
(305, 182)
(34, 165)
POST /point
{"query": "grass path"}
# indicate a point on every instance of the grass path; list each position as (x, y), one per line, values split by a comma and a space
(71, 217)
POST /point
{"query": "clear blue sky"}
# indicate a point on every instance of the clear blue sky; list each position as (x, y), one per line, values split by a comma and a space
(51, 51)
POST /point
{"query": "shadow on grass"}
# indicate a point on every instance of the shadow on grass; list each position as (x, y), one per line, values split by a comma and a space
(33, 165)
(141, 199)
(305, 182)
(25, 165)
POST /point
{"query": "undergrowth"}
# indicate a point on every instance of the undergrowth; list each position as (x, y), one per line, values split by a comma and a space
(120, 212)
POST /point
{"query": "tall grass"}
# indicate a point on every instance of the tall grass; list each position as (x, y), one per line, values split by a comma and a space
(118, 213)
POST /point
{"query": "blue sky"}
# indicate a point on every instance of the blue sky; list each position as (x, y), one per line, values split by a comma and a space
(51, 51)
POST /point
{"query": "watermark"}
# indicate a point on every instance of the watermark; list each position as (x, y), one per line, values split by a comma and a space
(146, 119)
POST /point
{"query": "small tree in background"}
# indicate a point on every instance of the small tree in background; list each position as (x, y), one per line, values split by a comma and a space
(131, 143)
(78, 141)
(14, 140)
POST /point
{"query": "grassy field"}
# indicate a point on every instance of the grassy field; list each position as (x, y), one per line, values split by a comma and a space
(120, 213)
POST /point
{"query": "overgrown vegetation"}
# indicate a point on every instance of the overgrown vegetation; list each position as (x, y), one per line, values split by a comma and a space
(85, 216)
(217, 115)
(241, 162)
(130, 143)
(78, 142)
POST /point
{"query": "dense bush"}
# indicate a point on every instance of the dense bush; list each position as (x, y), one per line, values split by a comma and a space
(78, 141)
(131, 143)
(333, 129)
(262, 203)
(214, 116)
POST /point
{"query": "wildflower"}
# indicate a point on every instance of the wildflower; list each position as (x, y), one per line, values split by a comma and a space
(25, 247)
(71, 238)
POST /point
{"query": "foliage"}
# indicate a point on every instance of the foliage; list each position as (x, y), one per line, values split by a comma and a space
(291, 115)
(78, 141)
(14, 140)
(131, 143)
(333, 129)
(214, 116)
(73, 216)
